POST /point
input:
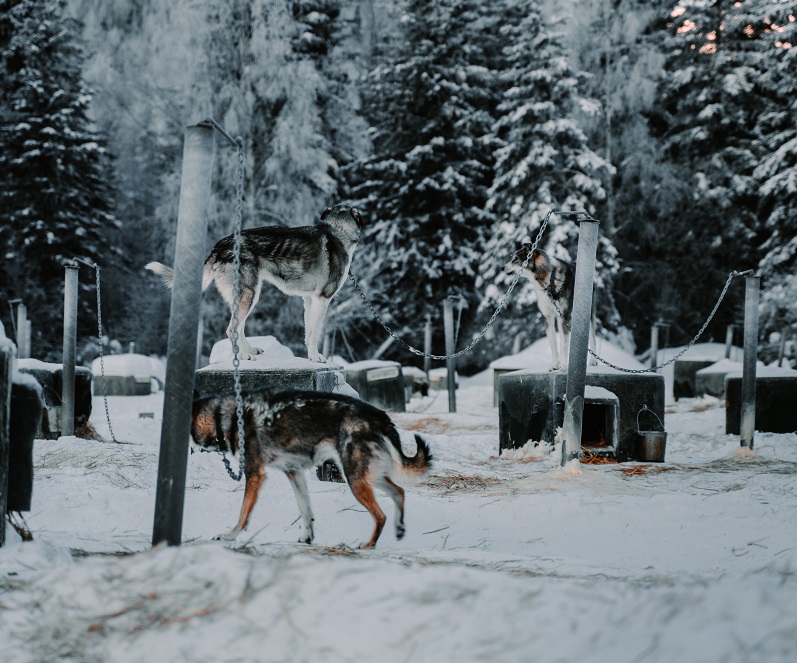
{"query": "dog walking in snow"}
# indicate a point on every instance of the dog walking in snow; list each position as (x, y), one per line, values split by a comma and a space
(311, 262)
(296, 430)
(553, 282)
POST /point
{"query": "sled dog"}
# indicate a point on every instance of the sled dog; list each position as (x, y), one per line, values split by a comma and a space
(553, 282)
(311, 262)
(296, 430)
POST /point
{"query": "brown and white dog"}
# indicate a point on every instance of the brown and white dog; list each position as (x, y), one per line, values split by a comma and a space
(311, 262)
(553, 282)
(296, 430)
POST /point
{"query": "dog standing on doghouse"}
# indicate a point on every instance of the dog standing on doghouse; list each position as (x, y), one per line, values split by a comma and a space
(553, 282)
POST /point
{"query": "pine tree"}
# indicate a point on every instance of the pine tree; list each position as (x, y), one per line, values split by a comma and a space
(55, 203)
(424, 189)
(776, 173)
(543, 162)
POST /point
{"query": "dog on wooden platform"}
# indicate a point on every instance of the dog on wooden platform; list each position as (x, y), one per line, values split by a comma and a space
(296, 430)
(553, 282)
(311, 262)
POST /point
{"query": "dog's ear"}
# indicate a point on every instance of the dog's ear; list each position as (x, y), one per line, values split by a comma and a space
(327, 212)
(355, 214)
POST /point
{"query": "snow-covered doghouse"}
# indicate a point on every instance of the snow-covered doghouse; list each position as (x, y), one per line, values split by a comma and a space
(128, 374)
(50, 377)
(21, 404)
(531, 401)
(276, 369)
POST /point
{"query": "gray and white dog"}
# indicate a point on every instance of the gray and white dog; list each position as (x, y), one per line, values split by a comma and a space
(553, 282)
(296, 430)
(310, 262)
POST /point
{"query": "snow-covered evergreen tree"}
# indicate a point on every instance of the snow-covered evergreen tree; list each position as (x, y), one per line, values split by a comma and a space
(55, 201)
(711, 110)
(424, 190)
(776, 173)
(543, 162)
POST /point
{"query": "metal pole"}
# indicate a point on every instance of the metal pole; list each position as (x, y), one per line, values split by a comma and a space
(22, 330)
(448, 328)
(654, 346)
(747, 426)
(427, 344)
(189, 256)
(782, 349)
(70, 342)
(131, 347)
(28, 337)
(728, 341)
(579, 340)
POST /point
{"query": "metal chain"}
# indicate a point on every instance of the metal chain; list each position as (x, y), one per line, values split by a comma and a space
(490, 322)
(236, 289)
(731, 276)
(102, 355)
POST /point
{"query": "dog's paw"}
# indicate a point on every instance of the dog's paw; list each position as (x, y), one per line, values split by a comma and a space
(400, 531)
(317, 358)
(308, 539)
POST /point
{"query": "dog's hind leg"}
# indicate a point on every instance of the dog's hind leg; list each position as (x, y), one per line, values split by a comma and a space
(303, 500)
(253, 485)
(365, 495)
(248, 299)
(396, 493)
(315, 310)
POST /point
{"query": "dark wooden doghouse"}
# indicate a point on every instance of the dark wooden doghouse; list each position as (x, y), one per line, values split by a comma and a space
(531, 408)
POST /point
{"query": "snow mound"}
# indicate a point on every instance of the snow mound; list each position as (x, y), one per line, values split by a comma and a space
(271, 347)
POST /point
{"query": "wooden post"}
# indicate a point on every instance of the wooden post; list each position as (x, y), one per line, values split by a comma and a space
(427, 344)
(70, 342)
(451, 364)
(782, 348)
(751, 295)
(728, 341)
(579, 340)
(654, 346)
(7, 352)
(189, 256)
(22, 330)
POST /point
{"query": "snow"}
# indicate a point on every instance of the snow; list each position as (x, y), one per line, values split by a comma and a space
(221, 352)
(504, 559)
(767, 372)
(371, 363)
(722, 366)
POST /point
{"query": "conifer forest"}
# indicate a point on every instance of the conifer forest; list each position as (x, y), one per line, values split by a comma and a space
(454, 126)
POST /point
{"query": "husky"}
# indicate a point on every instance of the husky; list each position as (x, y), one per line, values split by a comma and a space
(296, 430)
(311, 262)
(553, 282)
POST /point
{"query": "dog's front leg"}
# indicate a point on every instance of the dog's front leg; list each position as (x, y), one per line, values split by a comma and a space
(550, 332)
(303, 500)
(253, 484)
(315, 309)
(565, 345)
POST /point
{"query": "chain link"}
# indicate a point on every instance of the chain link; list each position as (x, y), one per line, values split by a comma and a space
(236, 360)
(731, 276)
(490, 322)
(102, 355)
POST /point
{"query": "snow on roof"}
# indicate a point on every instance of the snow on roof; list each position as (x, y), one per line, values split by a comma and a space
(722, 366)
(601, 393)
(266, 363)
(271, 347)
(371, 363)
(538, 356)
(37, 365)
(767, 372)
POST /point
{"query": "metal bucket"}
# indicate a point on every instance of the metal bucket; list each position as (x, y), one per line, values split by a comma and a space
(651, 444)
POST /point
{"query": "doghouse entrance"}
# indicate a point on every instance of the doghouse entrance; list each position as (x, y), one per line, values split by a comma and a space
(599, 426)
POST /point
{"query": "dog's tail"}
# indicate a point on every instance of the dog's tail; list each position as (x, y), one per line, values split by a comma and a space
(167, 273)
(411, 466)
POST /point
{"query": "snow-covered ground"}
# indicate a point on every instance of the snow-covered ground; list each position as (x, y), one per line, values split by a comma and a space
(504, 560)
